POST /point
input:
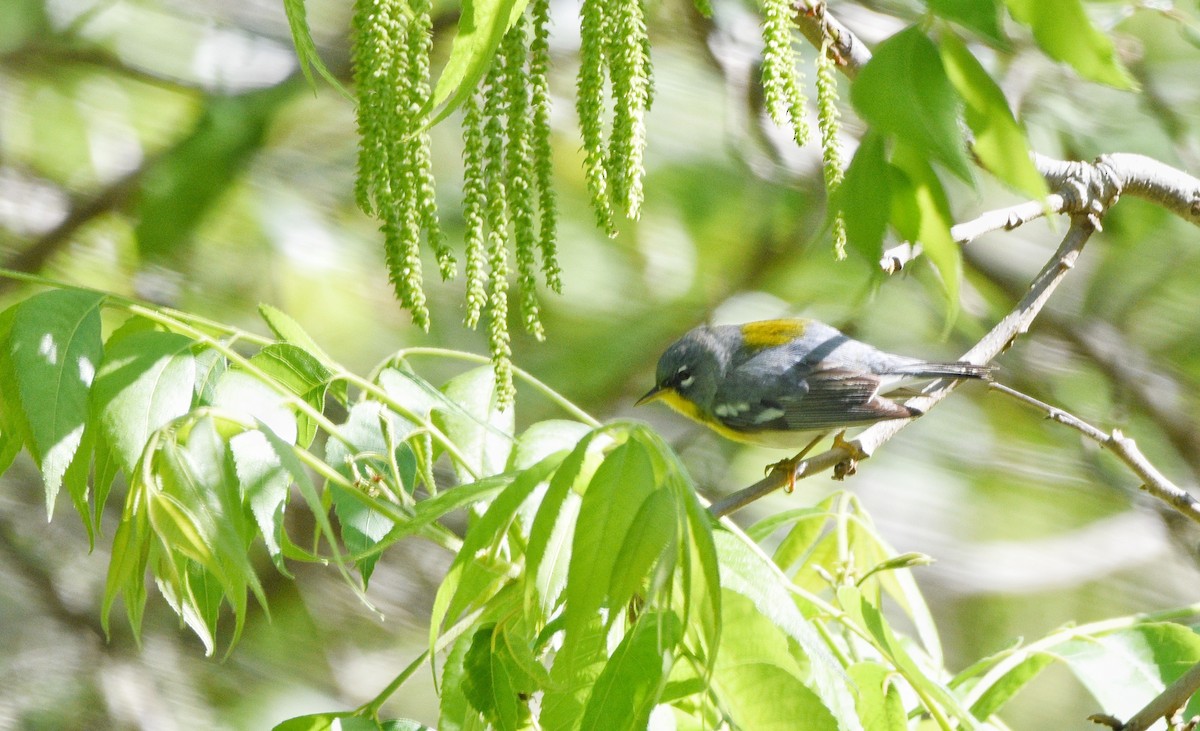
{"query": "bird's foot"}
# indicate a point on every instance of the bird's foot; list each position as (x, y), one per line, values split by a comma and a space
(794, 465)
(849, 465)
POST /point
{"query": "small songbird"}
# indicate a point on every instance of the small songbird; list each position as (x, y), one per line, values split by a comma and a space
(780, 383)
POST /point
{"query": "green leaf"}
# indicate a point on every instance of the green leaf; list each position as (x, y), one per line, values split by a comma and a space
(1005, 687)
(999, 141)
(14, 429)
(289, 331)
(75, 479)
(306, 49)
(1064, 31)
(455, 711)
(921, 213)
(746, 576)
(265, 485)
(301, 373)
(339, 721)
(758, 679)
(210, 366)
(548, 555)
(147, 379)
(494, 683)
(632, 680)
(127, 567)
(56, 348)
(878, 700)
(481, 26)
(1124, 670)
(650, 535)
(577, 665)
(245, 395)
(621, 485)
(363, 526)
(864, 197)
(481, 431)
(199, 513)
(903, 91)
(469, 574)
(545, 438)
(869, 618)
(981, 16)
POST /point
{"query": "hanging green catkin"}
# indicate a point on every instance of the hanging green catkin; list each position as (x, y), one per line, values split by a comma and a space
(420, 45)
(495, 111)
(539, 92)
(372, 56)
(589, 105)
(519, 174)
(780, 75)
(395, 182)
(829, 122)
(629, 66)
(474, 210)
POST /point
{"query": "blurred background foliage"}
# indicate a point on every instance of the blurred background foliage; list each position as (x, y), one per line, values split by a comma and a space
(172, 151)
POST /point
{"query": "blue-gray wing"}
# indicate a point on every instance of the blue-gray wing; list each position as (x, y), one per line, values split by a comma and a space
(825, 399)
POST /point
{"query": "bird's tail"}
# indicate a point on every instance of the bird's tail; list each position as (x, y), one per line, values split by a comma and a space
(957, 369)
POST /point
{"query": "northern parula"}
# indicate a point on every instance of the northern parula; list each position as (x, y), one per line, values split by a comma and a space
(778, 383)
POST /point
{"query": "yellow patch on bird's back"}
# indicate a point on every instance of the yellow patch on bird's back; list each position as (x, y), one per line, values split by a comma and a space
(771, 333)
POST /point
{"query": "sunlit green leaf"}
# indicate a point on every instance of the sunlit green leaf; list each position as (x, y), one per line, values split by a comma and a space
(481, 431)
(746, 576)
(146, 380)
(621, 485)
(981, 16)
(864, 197)
(999, 141)
(481, 26)
(544, 438)
(361, 455)
(759, 681)
(921, 213)
(306, 49)
(577, 665)
(903, 91)
(495, 685)
(869, 618)
(1125, 670)
(548, 555)
(1064, 31)
(303, 375)
(265, 484)
(469, 573)
(1000, 692)
(56, 350)
(878, 700)
(454, 710)
(632, 680)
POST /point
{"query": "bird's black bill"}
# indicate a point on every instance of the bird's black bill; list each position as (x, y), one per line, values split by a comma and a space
(651, 395)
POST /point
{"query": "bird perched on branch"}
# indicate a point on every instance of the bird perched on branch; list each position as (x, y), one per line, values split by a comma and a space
(788, 383)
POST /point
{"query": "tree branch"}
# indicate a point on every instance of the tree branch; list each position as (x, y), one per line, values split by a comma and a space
(817, 25)
(1153, 481)
(995, 342)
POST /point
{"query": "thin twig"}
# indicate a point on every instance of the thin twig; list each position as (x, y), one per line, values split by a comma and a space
(1153, 481)
(995, 342)
(1001, 219)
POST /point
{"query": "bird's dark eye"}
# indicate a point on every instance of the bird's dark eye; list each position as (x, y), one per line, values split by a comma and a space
(682, 378)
